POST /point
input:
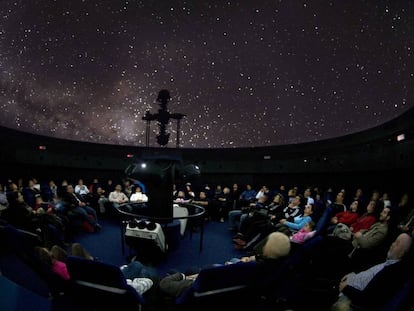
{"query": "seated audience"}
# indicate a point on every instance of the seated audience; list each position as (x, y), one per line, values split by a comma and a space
(371, 288)
(118, 198)
(136, 274)
(347, 217)
(77, 208)
(268, 254)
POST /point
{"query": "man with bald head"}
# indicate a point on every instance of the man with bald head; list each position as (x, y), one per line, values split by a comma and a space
(374, 286)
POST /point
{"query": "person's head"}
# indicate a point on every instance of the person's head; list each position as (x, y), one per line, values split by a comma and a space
(340, 196)
(297, 200)
(118, 188)
(202, 195)
(400, 247)
(291, 192)
(310, 226)
(371, 207)
(307, 192)
(69, 188)
(79, 251)
(385, 215)
(277, 245)
(308, 210)
(263, 199)
(279, 199)
(44, 255)
(19, 198)
(354, 206)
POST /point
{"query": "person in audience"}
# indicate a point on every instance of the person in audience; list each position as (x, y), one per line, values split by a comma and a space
(247, 196)
(136, 274)
(81, 189)
(386, 199)
(403, 208)
(354, 252)
(109, 186)
(203, 201)
(221, 205)
(360, 197)
(263, 191)
(304, 233)
(93, 186)
(181, 198)
(371, 288)
(188, 192)
(235, 195)
(138, 200)
(4, 203)
(56, 266)
(49, 227)
(241, 219)
(19, 213)
(99, 199)
(128, 187)
(367, 219)
(76, 207)
(138, 196)
(331, 210)
(117, 197)
(307, 195)
(253, 231)
(289, 227)
(49, 190)
(347, 217)
(407, 224)
(30, 193)
(279, 210)
(250, 221)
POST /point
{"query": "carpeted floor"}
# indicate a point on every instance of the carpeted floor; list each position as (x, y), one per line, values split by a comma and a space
(217, 247)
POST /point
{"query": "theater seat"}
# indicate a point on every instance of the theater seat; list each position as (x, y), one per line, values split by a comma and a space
(220, 286)
(96, 285)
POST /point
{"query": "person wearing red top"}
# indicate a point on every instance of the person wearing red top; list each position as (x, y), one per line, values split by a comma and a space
(366, 220)
(347, 217)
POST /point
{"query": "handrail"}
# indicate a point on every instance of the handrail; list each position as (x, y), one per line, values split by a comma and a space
(201, 211)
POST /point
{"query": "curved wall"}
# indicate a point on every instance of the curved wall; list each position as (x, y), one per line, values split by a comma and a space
(358, 158)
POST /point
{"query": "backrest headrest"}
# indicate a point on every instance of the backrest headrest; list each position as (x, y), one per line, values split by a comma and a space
(95, 272)
(211, 278)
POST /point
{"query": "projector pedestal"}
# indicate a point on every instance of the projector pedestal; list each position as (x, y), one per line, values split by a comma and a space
(135, 235)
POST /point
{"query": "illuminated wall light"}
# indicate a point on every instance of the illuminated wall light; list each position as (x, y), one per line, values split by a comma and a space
(41, 147)
(130, 155)
(143, 165)
(305, 160)
(267, 157)
(401, 137)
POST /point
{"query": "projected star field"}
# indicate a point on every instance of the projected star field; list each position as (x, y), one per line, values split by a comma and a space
(244, 73)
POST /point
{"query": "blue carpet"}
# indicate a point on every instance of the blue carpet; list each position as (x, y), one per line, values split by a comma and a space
(16, 298)
(217, 247)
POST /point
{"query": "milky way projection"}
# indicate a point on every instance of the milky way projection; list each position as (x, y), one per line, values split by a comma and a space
(245, 73)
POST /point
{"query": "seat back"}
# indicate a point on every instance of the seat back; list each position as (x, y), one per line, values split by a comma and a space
(217, 285)
(96, 285)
